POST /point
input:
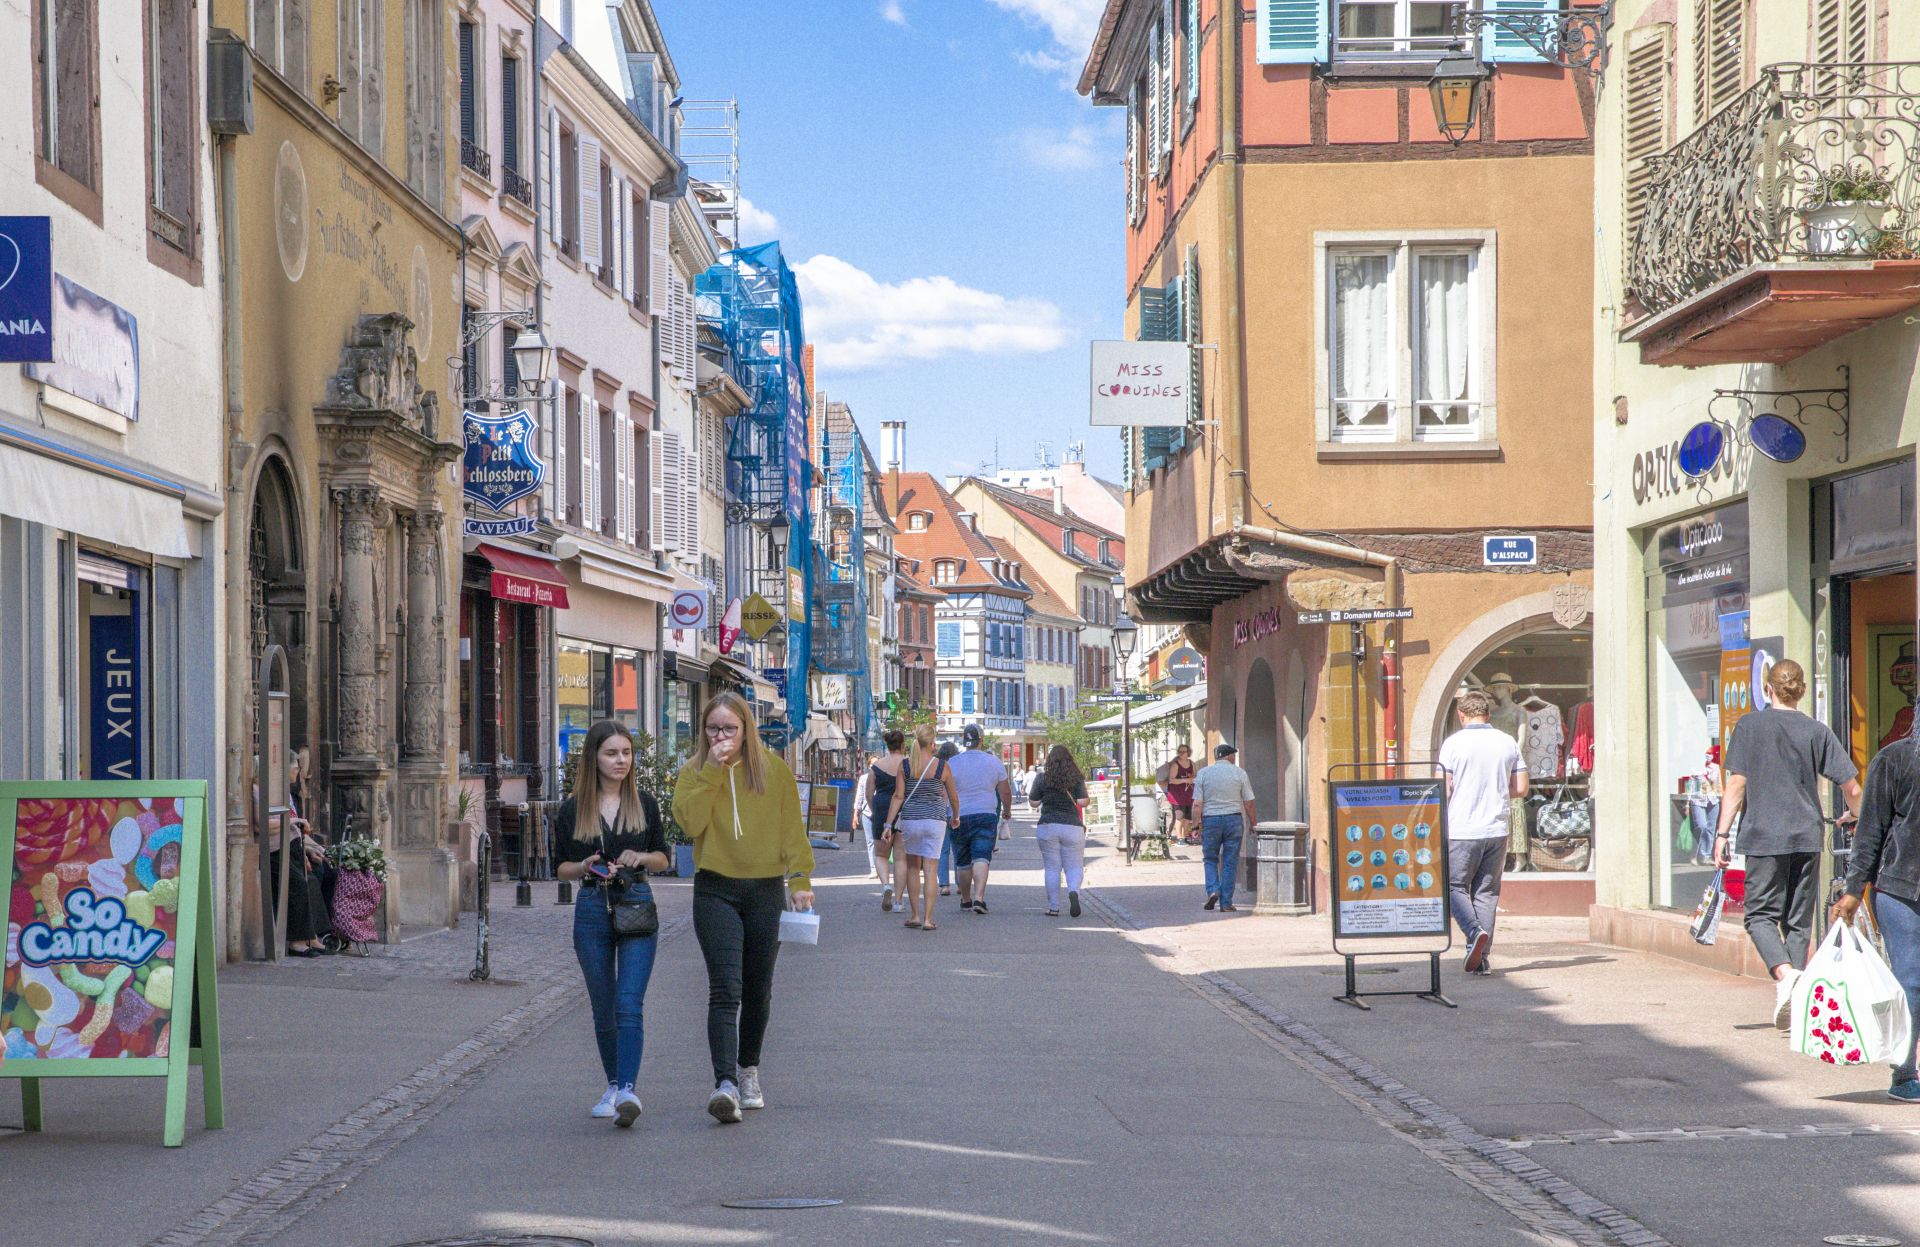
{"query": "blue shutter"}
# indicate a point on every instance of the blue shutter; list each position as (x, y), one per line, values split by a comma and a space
(1293, 32)
(1504, 45)
(966, 697)
(1153, 315)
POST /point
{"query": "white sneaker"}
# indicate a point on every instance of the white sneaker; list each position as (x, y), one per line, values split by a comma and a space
(605, 1107)
(626, 1106)
(750, 1096)
(1783, 1000)
(724, 1104)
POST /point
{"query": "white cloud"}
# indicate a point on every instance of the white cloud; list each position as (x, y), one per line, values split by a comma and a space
(1047, 63)
(1072, 23)
(1071, 150)
(891, 11)
(756, 221)
(858, 322)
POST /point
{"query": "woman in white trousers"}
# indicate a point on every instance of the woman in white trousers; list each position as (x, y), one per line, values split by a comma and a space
(1058, 792)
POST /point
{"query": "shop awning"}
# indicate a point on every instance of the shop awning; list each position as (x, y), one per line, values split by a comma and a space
(43, 490)
(740, 673)
(1188, 698)
(525, 578)
(822, 732)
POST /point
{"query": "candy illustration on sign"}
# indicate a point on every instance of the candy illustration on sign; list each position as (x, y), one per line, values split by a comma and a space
(96, 930)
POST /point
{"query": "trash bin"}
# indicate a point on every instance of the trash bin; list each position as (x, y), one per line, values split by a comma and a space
(1281, 876)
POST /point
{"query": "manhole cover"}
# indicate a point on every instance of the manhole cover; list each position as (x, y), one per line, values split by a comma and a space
(504, 1240)
(778, 1205)
(1860, 1240)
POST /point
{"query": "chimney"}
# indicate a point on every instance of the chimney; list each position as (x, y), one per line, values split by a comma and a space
(1059, 497)
(893, 445)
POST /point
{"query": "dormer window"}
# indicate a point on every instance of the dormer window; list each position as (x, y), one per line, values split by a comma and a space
(1104, 556)
(1066, 541)
(945, 571)
(917, 521)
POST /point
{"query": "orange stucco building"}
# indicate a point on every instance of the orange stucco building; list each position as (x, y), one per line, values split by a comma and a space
(1393, 362)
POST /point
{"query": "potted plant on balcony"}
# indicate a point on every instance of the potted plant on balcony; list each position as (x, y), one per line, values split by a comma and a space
(1846, 217)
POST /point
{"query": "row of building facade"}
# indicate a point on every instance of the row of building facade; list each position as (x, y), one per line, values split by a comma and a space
(1645, 327)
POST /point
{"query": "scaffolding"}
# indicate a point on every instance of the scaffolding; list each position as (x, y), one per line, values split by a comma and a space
(840, 591)
(749, 299)
(710, 148)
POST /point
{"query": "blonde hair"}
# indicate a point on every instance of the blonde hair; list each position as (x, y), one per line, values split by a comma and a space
(1787, 681)
(752, 753)
(925, 742)
(587, 781)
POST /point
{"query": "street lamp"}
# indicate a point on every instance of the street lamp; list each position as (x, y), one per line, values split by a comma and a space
(532, 358)
(1455, 89)
(1126, 634)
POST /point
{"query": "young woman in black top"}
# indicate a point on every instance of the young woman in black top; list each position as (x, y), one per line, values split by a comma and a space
(1058, 790)
(609, 830)
(881, 778)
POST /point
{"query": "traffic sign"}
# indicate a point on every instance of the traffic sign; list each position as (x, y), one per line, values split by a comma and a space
(688, 609)
(1376, 614)
(1510, 551)
(758, 616)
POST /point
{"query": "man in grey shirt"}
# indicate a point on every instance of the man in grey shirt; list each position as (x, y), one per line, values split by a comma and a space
(1774, 764)
(1225, 797)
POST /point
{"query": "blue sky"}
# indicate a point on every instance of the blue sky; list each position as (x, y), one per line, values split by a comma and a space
(953, 208)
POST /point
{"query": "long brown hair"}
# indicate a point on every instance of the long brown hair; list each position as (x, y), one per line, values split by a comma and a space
(752, 754)
(587, 782)
(1061, 771)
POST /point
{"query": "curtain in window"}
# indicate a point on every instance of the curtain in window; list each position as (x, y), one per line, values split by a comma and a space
(1362, 349)
(1445, 338)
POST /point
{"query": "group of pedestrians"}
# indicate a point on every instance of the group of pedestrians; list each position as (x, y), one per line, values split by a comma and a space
(738, 803)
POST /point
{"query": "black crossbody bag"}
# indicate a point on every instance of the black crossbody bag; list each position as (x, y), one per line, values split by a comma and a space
(633, 913)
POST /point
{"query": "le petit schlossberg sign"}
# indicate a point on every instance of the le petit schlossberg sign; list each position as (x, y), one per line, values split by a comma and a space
(1139, 384)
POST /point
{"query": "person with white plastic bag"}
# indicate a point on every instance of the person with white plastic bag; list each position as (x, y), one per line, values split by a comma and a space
(739, 804)
(1886, 857)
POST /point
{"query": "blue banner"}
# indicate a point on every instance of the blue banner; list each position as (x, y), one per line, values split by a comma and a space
(502, 466)
(114, 704)
(26, 289)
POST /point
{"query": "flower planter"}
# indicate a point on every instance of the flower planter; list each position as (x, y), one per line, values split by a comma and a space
(683, 860)
(1847, 228)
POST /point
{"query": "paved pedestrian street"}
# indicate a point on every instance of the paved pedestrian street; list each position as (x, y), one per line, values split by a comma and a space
(1146, 1074)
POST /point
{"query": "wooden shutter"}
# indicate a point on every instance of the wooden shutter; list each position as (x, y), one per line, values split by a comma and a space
(660, 259)
(1498, 44)
(690, 498)
(469, 116)
(688, 349)
(550, 197)
(510, 114)
(1133, 151)
(1719, 54)
(1166, 83)
(1292, 32)
(1649, 122)
(1190, 305)
(1193, 56)
(623, 475)
(590, 205)
(1154, 97)
(592, 516)
(672, 465)
(618, 210)
(656, 493)
(558, 473)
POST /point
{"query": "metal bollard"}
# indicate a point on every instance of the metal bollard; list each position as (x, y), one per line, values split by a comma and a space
(523, 893)
(564, 896)
(483, 887)
(1280, 868)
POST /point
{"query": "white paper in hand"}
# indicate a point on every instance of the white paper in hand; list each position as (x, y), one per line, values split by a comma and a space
(799, 927)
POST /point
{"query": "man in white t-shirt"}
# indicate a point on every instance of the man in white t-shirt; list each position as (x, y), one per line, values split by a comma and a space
(1484, 774)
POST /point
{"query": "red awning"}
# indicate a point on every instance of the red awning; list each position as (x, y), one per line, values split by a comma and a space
(525, 578)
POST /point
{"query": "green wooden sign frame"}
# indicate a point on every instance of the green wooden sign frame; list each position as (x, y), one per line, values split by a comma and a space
(194, 962)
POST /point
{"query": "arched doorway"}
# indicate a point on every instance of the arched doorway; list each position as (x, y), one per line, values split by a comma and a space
(277, 587)
(1260, 751)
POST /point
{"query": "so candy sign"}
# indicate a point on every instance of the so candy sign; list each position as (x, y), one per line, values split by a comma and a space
(109, 956)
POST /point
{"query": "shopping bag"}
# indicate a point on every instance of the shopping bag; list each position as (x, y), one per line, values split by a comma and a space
(1848, 1009)
(799, 926)
(1705, 926)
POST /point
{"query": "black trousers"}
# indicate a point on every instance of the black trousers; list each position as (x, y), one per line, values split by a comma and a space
(308, 914)
(737, 922)
(1780, 904)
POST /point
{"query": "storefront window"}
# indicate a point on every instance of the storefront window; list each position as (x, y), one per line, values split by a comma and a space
(1542, 688)
(573, 700)
(594, 682)
(1702, 652)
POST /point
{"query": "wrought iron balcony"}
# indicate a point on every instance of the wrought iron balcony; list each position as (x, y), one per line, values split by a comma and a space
(515, 184)
(475, 157)
(1791, 217)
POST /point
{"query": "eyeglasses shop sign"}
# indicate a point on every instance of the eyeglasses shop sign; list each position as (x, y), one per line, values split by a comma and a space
(1139, 384)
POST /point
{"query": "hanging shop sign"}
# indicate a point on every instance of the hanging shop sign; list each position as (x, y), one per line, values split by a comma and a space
(501, 464)
(832, 693)
(1185, 665)
(1509, 551)
(730, 627)
(110, 974)
(514, 526)
(26, 289)
(1704, 551)
(1139, 384)
(688, 609)
(96, 351)
(115, 680)
(1388, 857)
(758, 617)
(796, 594)
(1701, 448)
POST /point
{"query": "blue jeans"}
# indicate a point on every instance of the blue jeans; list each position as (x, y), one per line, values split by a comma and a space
(617, 970)
(1220, 849)
(946, 860)
(1900, 926)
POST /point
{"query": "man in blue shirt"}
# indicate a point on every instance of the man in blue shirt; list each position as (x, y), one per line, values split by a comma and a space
(986, 797)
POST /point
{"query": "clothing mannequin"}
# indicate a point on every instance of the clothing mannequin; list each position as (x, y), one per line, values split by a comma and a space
(1506, 716)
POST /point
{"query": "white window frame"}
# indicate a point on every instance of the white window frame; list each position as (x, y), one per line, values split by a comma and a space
(1402, 432)
(1401, 49)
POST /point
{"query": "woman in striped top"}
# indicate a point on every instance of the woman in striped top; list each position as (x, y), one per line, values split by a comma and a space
(923, 804)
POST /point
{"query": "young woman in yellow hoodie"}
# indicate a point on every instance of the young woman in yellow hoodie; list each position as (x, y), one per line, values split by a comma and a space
(739, 805)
